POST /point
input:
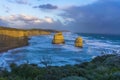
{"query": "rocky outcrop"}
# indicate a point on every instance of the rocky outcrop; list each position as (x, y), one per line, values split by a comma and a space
(9, 42)
(58, 38)
(12, 38)
(79, 42)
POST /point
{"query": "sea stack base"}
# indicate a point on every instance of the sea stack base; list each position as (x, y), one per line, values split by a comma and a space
(58, 38)
(79, 42)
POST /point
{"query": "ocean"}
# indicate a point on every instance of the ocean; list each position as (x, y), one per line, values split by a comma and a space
(41, 49)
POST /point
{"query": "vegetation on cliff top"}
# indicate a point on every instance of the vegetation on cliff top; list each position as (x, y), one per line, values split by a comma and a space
(106, 67)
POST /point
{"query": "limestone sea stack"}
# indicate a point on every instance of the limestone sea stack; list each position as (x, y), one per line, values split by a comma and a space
(58, 38)
(79, 42)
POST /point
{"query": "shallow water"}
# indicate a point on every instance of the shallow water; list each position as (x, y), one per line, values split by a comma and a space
(41, 48)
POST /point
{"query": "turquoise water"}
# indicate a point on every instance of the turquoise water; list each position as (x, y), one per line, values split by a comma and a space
(41, 49)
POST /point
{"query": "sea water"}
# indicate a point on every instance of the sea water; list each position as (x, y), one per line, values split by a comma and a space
(41, 49)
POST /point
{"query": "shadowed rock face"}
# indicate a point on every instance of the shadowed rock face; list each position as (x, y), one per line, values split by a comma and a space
(58, 38)
(8, 42)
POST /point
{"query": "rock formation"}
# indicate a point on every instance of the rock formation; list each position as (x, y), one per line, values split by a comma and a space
(79, 42)
(58, 38)
(12, 38)
(9, 42)
(37, 32)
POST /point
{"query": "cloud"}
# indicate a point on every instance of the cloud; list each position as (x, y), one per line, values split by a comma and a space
(27, 21)
(19, 1)
(108, 0)
(46, 7)
(7, 9)
(2, 23)
(99, 17)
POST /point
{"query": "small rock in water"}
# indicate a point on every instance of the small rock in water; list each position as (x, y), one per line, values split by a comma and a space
(58, 38)
(79, 42)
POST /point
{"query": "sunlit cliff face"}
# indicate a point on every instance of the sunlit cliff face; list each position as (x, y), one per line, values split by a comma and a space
(22, 33)
(12, 38)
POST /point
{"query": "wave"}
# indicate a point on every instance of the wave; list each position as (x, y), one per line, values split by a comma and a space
(63, 54)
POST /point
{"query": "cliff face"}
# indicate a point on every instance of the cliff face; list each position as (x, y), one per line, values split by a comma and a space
(12, 38)
(13, 33)
(9, 42)
(58, 38)
(22, 33)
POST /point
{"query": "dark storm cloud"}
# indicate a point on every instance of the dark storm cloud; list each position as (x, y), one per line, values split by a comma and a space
(100, 17)
(46, 6)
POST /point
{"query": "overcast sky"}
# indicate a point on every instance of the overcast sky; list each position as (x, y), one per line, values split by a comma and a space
(86, 16)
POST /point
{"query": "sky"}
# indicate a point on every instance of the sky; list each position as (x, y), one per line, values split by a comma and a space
(83, 16)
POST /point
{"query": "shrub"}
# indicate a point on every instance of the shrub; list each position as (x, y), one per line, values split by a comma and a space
(115, 76)
(3, 79)
(101, 68)
(112, 61)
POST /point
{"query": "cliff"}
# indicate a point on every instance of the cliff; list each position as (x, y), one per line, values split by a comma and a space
(9, 42)
(36, 32)
(12, 38)
(13, 32)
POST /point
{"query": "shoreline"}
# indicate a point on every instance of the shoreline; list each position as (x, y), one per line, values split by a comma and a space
(20, 43)
(11, 38)
(10, 48)
(12, 43)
